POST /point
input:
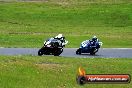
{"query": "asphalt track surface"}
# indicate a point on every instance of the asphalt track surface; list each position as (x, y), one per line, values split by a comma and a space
(70, 52)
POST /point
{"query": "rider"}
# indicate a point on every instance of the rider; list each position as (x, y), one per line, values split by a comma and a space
(95, 39)
(88, 43)
(61, 38)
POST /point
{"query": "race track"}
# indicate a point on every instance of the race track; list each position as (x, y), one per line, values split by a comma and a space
(70, 52)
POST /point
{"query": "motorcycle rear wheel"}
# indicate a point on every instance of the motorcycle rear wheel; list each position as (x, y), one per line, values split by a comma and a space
(92, 53)
(58, 52)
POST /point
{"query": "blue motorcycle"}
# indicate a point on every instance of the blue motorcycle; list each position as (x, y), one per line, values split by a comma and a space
(89, 47)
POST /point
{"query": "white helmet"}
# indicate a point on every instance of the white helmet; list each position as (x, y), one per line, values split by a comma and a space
(94, 36)
(59, 36)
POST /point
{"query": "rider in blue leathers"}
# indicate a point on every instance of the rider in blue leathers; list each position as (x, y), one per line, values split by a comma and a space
(88, 43)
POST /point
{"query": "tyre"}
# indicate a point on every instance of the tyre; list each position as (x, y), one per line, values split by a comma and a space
(92, 53)
(40, 52)
(58, 52)
(78, 51)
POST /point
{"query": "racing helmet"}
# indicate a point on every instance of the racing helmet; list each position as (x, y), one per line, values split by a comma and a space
(60, 36)
(94, 38)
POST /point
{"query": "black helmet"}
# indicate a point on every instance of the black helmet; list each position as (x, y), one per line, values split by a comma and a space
(94, 38)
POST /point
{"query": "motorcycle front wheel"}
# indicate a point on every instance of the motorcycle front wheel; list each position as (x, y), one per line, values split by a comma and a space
(78, 51)
(40, 52)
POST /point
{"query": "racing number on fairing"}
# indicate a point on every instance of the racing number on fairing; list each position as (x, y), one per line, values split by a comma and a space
(85, 43)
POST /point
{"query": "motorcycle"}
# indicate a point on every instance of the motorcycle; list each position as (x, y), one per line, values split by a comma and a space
(52, 47)
(89, 47)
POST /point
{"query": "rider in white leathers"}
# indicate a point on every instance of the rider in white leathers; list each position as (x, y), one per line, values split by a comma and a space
(61, 38)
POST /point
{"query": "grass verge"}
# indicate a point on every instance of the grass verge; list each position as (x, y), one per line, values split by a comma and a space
(27, 24)
(57, 72)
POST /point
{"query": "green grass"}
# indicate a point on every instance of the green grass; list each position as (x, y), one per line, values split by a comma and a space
(27, 24)
(57, 72)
